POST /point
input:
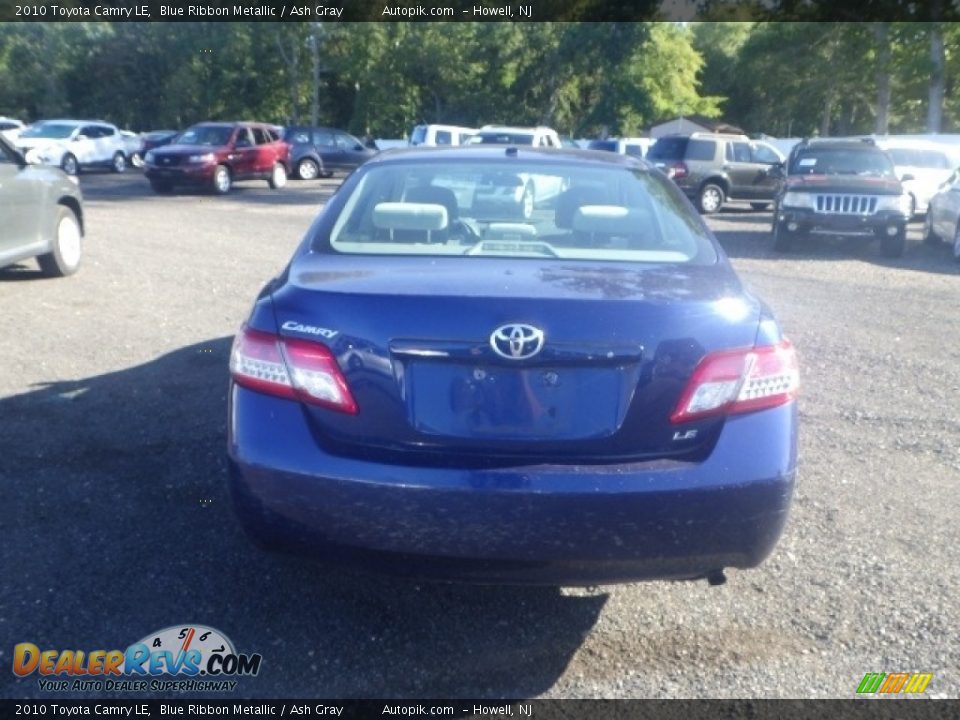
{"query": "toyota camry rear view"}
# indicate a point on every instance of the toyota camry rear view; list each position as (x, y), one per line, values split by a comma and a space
(444, 384)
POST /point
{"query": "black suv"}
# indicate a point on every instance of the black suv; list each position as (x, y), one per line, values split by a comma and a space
(319, 151)
(841, 187)
(710, 168)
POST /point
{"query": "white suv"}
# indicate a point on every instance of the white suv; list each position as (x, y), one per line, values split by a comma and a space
(506, 135)
(74, 144)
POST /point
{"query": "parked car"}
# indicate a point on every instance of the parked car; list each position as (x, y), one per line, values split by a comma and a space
(841, 187)
(133, 147)
(943, 215)
(509, 135)
(217, 154)
(586, 399)
(929, 165)
(625, 146)
(432, 135)
(712, 168)
(320, 152)
(75, 145)
(10, 128)
(42, 211)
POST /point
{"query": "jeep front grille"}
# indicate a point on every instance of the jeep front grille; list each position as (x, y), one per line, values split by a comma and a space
(846, 204)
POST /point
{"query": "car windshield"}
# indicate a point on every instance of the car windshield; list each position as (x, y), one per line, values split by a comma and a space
(671, 148)
(54, 131)
(610, 145)
(839, 161)
(206, 135)
(521, 210)
(920, 158)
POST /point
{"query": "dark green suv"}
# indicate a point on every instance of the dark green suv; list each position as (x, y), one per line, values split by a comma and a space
(841, 187)
(712, 168)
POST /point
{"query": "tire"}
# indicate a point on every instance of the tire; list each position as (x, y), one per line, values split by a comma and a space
(710, 198)
(222, 180)
(929, 236)
(160, 187)
(278, 178)
(527, 202)
(308, 169)
(70, 165)
(64, 258)
(782, 238)
(759, 205)
(894, 245)
(119, 163)
(913, 207)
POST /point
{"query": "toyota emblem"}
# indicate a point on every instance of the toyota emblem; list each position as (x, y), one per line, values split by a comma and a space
(517, 341)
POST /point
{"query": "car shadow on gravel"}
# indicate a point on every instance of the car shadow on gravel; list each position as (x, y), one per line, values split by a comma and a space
(117, 524)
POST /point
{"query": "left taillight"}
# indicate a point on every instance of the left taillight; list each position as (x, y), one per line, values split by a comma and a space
(290, 368)
(739, 381)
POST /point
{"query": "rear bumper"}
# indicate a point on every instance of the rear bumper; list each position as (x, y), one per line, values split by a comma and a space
(543, 524)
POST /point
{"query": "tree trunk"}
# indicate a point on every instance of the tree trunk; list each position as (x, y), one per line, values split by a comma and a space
(826, 115)
(881, 32)
(938, 62)
(315, 84)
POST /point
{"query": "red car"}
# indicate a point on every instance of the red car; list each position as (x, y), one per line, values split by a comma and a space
(216, 154)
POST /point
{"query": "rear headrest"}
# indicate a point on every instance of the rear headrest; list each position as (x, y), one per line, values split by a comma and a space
(608, 220)
(435, 195)
(410, 216)
(569, 200)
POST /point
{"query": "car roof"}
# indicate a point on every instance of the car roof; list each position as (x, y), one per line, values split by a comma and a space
(515, 128)
(506, 153)
(866, 145)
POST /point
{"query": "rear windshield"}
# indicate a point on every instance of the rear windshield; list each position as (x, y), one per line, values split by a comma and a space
(502, 138)
(670, 148)
(523, 210)
(610, 145)
(841, 161)
(919, 158)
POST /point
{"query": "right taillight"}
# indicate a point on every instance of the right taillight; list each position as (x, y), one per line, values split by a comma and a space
(290, 368)
(738, 381)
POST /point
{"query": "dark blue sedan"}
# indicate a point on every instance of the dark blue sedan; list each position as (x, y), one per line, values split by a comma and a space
(448, 383)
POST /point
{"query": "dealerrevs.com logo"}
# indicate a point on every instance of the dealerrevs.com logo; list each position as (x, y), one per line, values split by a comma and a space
(200, 658)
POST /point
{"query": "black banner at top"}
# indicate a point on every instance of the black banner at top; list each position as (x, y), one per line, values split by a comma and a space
(473, 10)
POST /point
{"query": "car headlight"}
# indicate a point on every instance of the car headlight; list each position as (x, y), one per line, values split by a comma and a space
(894, 203)
(149, 156)
(205, 158)
(797, 200)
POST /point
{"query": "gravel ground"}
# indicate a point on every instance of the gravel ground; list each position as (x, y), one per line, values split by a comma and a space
(115, 520)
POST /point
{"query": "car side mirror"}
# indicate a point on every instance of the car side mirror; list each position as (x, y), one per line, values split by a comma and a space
(358, 147)
(80, 137)
(777, 171)
(32, 157)
(907, 177)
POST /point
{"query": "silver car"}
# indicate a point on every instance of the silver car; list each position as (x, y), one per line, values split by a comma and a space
(943, 215)
(42, 212)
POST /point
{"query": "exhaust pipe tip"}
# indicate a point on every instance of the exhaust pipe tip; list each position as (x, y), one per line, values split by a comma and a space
(716, 577)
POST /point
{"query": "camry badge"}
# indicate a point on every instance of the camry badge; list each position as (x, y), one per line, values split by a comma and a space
(517, 341)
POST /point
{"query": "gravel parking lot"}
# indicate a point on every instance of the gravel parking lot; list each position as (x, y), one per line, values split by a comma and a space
(116, 521)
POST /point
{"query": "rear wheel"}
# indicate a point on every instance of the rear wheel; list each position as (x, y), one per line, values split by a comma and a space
(64, 256)
(894, 245)
(308, 169)
(222, 182)
(119, 163)
(929, 236)
(759, 205)
(70, 165)
(278, 178)
(711, 198)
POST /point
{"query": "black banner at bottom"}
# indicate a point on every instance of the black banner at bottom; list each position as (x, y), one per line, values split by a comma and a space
(867, 709)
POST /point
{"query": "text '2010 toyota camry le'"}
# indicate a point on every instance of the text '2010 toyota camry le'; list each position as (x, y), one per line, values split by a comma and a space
(446, 385)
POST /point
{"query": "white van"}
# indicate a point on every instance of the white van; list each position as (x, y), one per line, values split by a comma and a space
(625, 146)
(432, 135)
